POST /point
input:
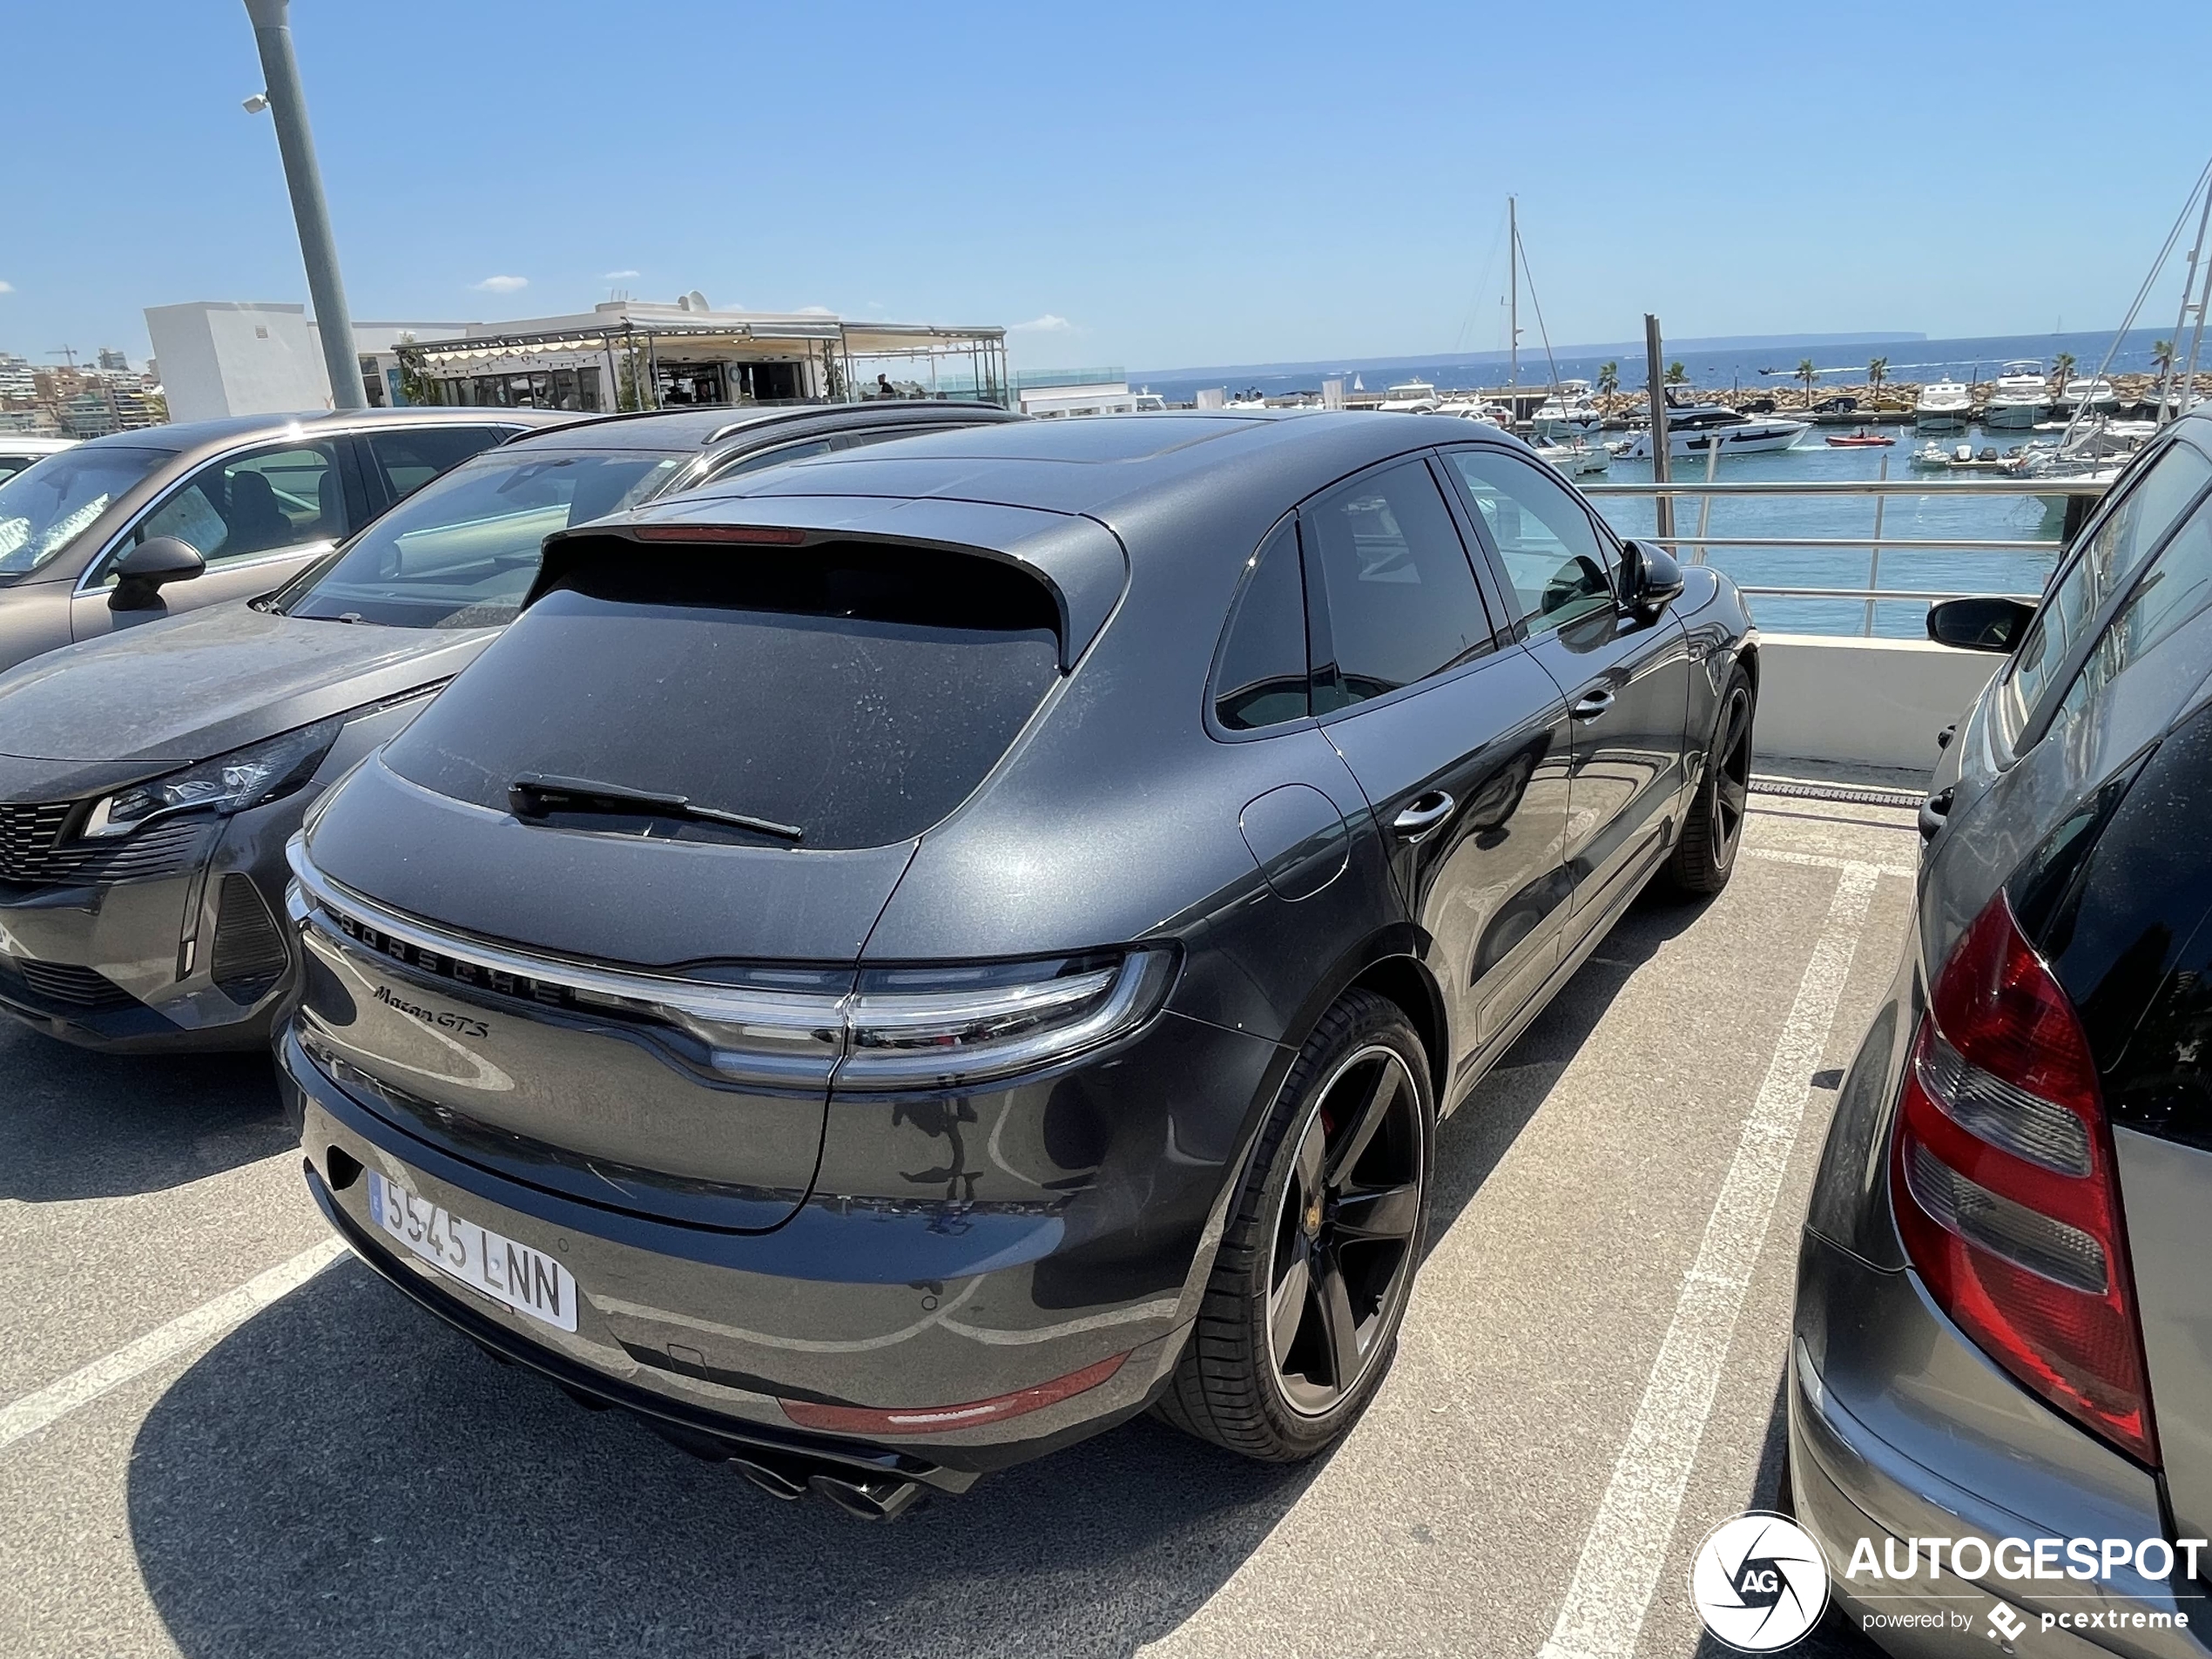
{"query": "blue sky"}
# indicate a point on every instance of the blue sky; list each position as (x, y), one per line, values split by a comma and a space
(1150, 185)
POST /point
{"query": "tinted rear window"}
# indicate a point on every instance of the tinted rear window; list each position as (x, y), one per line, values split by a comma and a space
(858, 693)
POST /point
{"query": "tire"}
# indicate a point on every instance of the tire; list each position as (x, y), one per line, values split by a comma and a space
(1301, 1319)
(1705, 854)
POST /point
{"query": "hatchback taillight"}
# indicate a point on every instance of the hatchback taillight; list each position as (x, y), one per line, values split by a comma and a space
(2003, 1183)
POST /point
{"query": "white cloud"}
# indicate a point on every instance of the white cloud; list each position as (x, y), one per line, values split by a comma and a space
(7, 288)
(615, 276)
(1048, 324)
(814, 310)
(501, 285)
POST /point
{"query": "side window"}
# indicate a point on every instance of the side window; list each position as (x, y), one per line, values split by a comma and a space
(258, 503)
(1402, 602)
(1553, 556)
(759, 459)
(406, 460)
(2176, 588)
(1262, 677)
(2105, 564)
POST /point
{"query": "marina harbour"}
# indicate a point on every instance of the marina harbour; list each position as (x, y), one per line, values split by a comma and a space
(1943, 513)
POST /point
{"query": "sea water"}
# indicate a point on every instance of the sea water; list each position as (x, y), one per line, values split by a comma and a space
(1935, 516)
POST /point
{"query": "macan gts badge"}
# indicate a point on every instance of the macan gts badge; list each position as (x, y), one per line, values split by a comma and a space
(906, 960)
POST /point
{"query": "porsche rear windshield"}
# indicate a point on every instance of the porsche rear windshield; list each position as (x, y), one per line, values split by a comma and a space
(856, 694)
(462, 550)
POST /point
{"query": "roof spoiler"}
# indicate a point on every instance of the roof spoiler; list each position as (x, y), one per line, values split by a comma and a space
(1080, 563)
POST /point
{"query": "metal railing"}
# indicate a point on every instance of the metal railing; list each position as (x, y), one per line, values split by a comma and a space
(1873, 545)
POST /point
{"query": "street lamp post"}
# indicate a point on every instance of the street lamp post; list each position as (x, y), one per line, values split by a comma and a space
(289, 106)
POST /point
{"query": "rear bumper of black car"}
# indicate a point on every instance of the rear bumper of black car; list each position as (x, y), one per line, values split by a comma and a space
(852, 1308)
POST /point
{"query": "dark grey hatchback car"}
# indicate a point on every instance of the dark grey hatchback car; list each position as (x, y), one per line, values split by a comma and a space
(896, 965)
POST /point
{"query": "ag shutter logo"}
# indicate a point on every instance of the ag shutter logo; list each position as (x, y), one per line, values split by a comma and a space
(1758, 1582)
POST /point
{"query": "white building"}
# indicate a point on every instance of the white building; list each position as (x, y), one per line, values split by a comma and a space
(629, 353)
(228, 357)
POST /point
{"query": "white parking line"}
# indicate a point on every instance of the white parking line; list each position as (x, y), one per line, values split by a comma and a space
(1607, 1601)
(1825, 861)
(209, 1320)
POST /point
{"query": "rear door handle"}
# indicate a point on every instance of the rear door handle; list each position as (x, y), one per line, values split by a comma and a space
(1592, 703)
(1426, 812)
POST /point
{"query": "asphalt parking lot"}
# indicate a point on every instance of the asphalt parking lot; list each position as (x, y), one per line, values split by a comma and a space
(217, 1438)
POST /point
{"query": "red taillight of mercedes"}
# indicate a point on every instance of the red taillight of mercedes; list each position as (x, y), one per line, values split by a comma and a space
(2003, 1181)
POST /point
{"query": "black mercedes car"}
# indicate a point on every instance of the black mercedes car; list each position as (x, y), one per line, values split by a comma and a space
(149, 779)
(895, 965)
(2003, 1335)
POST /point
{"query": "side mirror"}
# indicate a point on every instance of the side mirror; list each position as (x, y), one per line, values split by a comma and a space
(1979, 622)
(156, 560)
(1650, 578)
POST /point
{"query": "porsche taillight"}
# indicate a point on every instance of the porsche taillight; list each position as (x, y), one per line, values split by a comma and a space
(2003, 1184)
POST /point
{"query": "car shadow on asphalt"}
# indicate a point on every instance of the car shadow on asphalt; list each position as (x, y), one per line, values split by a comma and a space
(75, 1124)
(1488, 1123)
(341, 1476)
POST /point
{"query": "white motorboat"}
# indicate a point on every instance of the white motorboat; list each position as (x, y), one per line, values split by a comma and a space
(1411, 397)
(1573, 458)
(2018, 397)
(1570, 411)
(2092, 394)
(1701, 428)
(1945, 406)
(1482, 409)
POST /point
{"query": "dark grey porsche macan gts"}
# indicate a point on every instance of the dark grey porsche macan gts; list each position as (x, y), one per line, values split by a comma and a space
(898, 963)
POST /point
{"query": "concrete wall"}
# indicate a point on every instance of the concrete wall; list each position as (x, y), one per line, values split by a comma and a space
(1873, 702)
(224, 357)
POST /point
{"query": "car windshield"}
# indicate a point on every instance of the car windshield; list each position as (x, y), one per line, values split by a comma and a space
(45, 508)
(462, 550)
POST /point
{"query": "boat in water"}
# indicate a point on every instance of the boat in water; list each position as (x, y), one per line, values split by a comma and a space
(1861, 439)
(1486, 410)
(1944, 405)
(1702, 428)
(2091, 394)
(1574, 457)
(1411, 397)
(2018, 397)
(1569, 412)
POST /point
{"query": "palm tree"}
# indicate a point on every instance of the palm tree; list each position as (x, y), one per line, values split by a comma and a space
(1676, 373)
(2162, 355)
(1609, 379)
(1808, 374)
(2061, 370)
(1876, 372)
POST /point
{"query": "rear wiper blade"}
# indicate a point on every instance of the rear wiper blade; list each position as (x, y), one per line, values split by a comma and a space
(534, 794)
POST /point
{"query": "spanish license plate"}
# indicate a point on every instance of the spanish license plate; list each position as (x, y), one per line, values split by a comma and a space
(527, 1280)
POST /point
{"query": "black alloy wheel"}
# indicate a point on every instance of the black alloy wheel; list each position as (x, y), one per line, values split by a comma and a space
(1706, 855)
(1301, 1312)
(1344, 1237)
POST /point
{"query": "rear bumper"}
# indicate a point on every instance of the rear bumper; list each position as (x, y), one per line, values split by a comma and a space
(712, 1331)
(1900, 1429)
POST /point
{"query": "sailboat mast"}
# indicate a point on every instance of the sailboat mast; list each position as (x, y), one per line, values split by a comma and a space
(1513, 292)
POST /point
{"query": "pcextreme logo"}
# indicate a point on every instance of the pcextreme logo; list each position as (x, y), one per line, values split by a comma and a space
(1758, 1582)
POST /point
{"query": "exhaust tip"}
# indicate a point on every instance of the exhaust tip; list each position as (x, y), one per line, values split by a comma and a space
(879, 1499)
